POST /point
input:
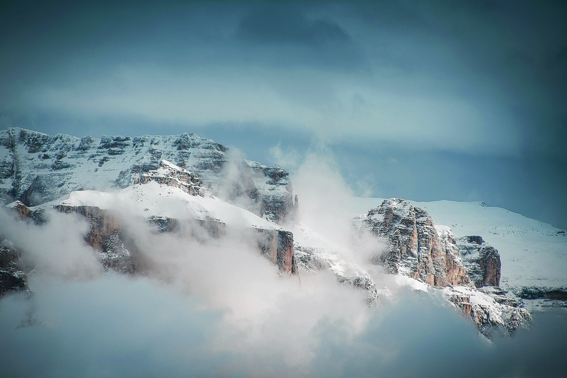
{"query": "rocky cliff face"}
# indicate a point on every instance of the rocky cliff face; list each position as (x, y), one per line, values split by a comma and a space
(36, 168)
(171, 175)
(277, 246)
(105, 235)
(481, 259)
(12, 274)
(274, 192)
(414, 247)
(21, 210)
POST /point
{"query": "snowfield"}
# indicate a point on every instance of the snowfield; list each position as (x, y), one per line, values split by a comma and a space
(153, 199)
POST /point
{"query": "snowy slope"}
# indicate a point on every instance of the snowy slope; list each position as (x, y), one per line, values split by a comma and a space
(154, 199)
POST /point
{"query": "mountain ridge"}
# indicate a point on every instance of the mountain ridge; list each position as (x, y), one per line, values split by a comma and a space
(235, 194)
(36, 168)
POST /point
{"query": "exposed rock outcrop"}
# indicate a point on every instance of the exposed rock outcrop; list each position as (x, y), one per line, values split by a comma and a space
(414, 247)
(195, 228)
(12, 275)
(558, 294)
(274, 192)
(481, 259)
(277, 246)
(490, 309)
(309, 260)
(313, 260)
(105, 235)
(21, 210)
(174, 176)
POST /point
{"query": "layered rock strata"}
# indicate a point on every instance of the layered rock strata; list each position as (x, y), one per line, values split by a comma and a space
(106, 235)
(467, 269)
(171, 175)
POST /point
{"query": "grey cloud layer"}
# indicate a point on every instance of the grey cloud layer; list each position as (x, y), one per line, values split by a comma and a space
(462, 77)
(287, 25)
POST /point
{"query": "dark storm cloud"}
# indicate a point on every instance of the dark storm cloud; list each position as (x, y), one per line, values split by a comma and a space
(495, 55)
(417, 69)
(283, 35)
(286, 24)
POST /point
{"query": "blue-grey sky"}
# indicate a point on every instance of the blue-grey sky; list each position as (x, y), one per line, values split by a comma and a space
(426, 100)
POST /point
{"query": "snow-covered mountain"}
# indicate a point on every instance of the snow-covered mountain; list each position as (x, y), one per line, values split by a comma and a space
(492, 265)
(36, 168)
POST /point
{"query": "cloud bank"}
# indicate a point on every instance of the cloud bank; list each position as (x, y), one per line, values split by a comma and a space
(116, 326)
(427, 75)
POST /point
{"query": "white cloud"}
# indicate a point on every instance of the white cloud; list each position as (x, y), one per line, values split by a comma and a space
(288, 158)
(57, 248)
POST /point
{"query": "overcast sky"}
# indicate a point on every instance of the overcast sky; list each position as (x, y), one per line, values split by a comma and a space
(425, 100)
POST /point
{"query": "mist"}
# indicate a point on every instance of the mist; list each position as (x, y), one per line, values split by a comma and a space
(118, 326)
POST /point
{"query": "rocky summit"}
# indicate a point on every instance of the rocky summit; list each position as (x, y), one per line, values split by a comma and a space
(414, 246)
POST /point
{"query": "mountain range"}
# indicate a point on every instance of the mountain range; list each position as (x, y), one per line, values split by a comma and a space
(496, 268)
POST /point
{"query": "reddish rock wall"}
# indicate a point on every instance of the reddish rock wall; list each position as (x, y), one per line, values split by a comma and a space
(414, 247)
